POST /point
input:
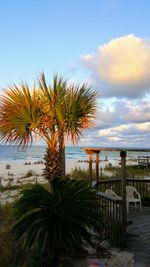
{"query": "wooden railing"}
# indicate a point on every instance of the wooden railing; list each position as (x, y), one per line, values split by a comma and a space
(113, 184)
(142, 185)
(113, 227)
(112, 223)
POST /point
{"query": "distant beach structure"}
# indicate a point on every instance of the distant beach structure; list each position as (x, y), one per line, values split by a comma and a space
(8, 166)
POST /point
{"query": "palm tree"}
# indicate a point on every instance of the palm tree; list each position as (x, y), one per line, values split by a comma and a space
(53, 112)
(74, 110)
(57, 221)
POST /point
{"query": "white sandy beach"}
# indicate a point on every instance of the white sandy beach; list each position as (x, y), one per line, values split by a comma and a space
(15, 174)
(21, 169)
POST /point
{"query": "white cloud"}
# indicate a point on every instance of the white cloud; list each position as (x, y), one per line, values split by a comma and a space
(121, 66)
(122, 113)
(137, 134)
(126, 129)
(139, 112)
(124, 123)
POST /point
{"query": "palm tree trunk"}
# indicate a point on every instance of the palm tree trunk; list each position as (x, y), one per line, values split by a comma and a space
(52, 170)
(62, 154)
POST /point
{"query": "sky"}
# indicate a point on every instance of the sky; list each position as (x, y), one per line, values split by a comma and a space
(105, 43)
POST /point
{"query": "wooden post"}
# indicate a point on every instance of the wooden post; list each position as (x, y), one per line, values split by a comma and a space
(101, 172)
(90, 167)
(123, 190)
(97, 166)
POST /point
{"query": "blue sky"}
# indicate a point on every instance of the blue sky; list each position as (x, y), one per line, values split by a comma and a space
(94, 41)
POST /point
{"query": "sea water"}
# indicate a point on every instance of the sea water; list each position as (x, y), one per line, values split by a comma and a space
(36, 153)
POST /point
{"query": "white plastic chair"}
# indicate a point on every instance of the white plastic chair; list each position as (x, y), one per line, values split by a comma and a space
(93, 184)
(111, 193)
(132, 196)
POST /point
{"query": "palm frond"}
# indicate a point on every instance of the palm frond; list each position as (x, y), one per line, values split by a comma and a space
(58, 219)
(80, 109)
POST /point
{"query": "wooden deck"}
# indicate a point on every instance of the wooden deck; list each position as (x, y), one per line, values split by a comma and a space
(139, 236)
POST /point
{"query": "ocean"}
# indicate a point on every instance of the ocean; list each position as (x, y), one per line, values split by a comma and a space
(9, 153)
(34, 153)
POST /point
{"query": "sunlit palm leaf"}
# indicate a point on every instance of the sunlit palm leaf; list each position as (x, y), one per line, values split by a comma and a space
(20, 117)
(73, 107)
(80, 110)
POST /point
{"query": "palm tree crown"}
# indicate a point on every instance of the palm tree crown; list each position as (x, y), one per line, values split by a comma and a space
(53, 112)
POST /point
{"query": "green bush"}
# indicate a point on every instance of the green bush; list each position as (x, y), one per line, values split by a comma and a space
(59, 221)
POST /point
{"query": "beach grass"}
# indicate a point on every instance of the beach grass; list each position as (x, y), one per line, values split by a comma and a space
(7, 243)
(78, 173)
(13, 254)
(132, 171)
(21, 187)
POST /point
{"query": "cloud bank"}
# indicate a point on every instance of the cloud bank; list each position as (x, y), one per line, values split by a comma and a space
(121, 67)
(123, 123)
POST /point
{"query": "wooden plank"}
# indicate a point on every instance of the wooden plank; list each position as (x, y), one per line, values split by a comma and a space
(140, 245)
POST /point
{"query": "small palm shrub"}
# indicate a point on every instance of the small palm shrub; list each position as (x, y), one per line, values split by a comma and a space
(57, 221)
